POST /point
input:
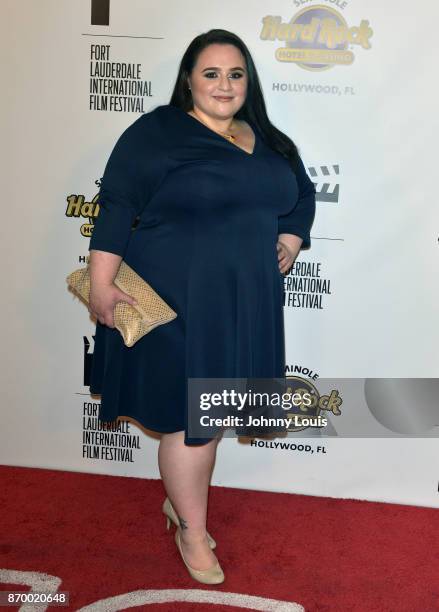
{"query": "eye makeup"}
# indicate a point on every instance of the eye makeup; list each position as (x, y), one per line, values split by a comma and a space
(212, 74)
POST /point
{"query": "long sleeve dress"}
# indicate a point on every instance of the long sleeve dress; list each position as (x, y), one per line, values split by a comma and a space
(208, 216)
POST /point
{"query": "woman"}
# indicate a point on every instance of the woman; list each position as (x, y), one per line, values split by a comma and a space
(223, 205)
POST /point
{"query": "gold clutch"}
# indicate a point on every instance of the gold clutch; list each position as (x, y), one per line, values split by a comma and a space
(133, 322)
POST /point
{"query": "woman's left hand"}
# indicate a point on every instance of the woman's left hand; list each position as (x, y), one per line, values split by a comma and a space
(288, 246)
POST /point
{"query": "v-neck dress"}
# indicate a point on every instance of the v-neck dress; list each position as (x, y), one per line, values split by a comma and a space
(198, 218)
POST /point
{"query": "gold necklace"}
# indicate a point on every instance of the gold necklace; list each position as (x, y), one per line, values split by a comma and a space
(229, 137)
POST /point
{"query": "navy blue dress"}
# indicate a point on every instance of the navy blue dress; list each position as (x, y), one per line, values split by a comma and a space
(209, 215)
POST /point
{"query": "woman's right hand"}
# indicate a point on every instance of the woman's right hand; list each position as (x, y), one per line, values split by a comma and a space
(103, 299)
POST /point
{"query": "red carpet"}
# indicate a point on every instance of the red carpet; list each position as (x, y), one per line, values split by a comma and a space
(105, 536)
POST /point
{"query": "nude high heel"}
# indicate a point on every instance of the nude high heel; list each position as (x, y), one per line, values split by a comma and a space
(171, 515)
(212, 575)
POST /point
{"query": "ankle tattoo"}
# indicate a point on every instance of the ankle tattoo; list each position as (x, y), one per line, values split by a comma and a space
(182, 522)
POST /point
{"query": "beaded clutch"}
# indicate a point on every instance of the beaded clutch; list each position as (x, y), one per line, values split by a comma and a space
(133, 322)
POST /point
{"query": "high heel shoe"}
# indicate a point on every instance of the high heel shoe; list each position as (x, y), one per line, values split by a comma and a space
(212, 575)
(171, 515)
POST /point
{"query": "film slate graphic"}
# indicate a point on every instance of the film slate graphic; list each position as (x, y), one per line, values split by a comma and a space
(326, 183)
(100, 12)
(88, 357)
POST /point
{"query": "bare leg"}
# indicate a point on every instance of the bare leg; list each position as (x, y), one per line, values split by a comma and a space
(186, 472)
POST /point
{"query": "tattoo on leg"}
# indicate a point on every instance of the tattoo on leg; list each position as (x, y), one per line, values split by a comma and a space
(182, 522)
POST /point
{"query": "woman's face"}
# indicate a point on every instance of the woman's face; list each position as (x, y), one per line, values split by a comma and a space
(219, 81)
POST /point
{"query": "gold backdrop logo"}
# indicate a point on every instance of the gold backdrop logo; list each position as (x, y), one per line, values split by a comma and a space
(304, 411)
(316, 38)
(79, 208)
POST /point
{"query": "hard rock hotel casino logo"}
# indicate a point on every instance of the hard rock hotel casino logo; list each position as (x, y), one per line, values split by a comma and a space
(79, 208)
(316, 38)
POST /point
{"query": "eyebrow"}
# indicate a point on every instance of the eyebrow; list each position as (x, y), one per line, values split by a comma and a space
(217, 68)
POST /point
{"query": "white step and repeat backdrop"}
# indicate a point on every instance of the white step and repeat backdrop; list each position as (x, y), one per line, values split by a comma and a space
(354, 84)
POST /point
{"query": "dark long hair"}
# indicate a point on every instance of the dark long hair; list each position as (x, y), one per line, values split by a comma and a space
(253, 108)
